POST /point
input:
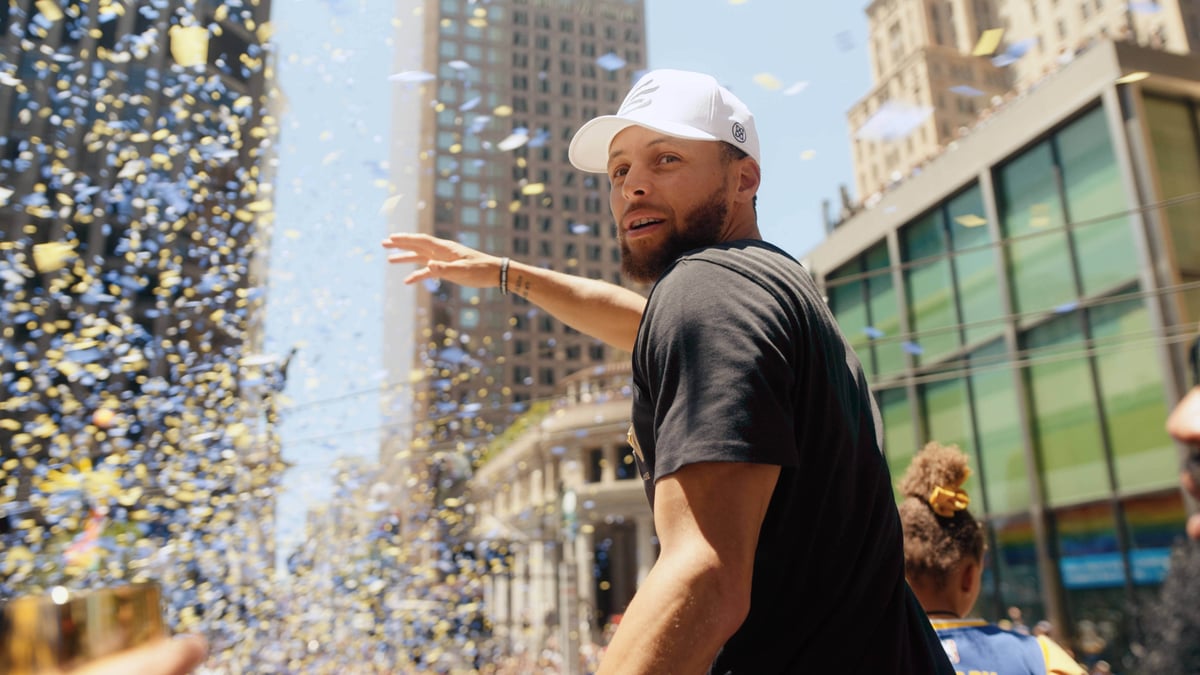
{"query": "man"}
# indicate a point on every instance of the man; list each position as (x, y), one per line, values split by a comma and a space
(753, 428)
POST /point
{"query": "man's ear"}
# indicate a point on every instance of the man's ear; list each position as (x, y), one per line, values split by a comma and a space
(749, 177)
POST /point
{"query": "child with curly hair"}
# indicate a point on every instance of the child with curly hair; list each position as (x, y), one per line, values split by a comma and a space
(943, 561)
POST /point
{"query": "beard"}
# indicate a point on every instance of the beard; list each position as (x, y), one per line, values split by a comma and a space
(701, 227)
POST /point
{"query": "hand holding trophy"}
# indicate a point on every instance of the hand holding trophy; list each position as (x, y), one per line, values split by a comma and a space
(103, 631)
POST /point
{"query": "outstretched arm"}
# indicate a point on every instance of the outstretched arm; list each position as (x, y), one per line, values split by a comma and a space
(605, 311)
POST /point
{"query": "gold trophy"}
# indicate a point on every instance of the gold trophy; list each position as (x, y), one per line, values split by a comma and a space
(61, 630)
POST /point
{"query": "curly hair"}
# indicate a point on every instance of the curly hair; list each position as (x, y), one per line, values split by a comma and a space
(933, 544)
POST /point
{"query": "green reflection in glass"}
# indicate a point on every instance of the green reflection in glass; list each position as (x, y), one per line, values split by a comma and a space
(1096, 201)
(1131, 385)
(884, 313)
(898, 438)
(1001, 453)
(974, 266)
(929, 289)
(1066, 428)
(1177, 156)
(846, 301)
(948, 421)
(1039, 266)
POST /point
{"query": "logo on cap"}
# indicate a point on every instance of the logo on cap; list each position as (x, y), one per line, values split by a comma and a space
(739, 132)
(639, 98)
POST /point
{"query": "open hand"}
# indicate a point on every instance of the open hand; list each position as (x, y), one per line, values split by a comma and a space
(444, 259)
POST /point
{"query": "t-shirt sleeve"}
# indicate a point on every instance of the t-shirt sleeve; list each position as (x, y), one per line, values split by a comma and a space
(719, 360)
(1058, 661)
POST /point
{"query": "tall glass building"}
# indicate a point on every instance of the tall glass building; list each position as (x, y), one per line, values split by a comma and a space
(1028, 296)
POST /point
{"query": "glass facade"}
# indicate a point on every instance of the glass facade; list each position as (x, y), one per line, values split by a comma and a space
(1015, 324)
(1174, 131)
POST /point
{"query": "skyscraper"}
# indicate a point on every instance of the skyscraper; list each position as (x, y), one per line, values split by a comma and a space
(940, 66)
(489, 95)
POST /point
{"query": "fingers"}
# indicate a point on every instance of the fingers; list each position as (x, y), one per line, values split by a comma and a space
(175, 656)
(398, 258)
(420, 275)
(1193, 527)
(419, 243)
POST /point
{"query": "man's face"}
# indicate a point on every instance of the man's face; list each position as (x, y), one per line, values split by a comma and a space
(668, 196)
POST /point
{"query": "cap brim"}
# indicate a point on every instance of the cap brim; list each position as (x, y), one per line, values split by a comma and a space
(589, 148)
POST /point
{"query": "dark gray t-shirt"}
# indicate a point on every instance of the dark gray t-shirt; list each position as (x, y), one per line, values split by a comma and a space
(738, 359)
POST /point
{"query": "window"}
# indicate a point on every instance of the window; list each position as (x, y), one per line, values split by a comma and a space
(595, 465)
(929, 289)
(1131, 392)
(1172, 127)
(626, 465)
(1001, 455)
(1096, 204)
(1065, 425)
(1030, 209)
(899, 439)
(974, 265)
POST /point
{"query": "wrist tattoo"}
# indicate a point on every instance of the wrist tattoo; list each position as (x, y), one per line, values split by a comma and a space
(521, 286)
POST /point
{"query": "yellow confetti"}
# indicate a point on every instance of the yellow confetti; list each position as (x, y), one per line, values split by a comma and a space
(1136, 76)
(533, 189)
(989, 40)
(389, 204)
(970, 220)
(768, 81)
(502, 111)
(50, 9)
(52, 256)
(189, 45)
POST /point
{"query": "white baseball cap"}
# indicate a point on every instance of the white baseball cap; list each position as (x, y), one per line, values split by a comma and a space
(674, 102)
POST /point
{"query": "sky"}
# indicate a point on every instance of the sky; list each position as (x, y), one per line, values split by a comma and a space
(799, 66)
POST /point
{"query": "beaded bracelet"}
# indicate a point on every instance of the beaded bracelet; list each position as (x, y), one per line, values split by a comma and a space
(504, 276)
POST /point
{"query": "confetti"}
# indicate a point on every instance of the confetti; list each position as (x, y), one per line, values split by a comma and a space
(966, 90)
(768, 81)
(410, 76)
(610, 61)
(970, 220)
(513, 141)
(189, 45)
(989, 41)
(52, 256)
(796, 88)
(49, 9)
(1136, 76)
(894, 120)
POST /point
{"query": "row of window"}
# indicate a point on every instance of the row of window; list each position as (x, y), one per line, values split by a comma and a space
(930, 328)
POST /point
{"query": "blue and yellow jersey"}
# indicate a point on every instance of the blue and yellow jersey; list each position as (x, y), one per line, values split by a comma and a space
(976, 647)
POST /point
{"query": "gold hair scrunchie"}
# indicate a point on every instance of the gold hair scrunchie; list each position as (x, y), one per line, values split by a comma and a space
(947, 501)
